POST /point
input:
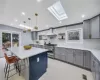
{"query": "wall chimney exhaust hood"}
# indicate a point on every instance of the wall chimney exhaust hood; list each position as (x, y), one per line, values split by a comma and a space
(51, 33)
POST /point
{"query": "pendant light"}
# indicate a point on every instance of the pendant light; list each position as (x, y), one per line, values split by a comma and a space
(24, 31)
(36, 28)
(29, 19)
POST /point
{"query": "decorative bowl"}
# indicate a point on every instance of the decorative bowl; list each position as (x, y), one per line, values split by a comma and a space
(27, 47)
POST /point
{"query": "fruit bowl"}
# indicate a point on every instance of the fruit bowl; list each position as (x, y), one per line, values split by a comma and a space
(27, 47)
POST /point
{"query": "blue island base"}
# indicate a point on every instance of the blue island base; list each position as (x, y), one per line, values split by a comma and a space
(37, 66)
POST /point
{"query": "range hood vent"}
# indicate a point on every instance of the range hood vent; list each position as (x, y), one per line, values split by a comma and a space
(51, 33)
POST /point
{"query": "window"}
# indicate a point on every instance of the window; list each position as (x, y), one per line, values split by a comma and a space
(58, 11)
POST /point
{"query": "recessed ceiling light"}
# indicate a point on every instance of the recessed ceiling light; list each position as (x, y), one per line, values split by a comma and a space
(83, 16)
(16, 20)
(11, 24)
(23, 13)
(60, 22)
(47, 26)
(39, 0)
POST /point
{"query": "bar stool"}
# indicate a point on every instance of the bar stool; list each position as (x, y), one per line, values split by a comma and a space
(9, 61)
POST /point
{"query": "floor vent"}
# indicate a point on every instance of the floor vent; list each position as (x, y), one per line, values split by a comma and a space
(84, 76)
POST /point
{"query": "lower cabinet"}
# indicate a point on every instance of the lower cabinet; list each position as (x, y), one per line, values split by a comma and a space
(81, 58)
(78, 57)
(87, 59)
(95, 65)
(60, 54)
(69, 55)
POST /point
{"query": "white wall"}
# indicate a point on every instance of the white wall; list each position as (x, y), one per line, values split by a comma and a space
(25, 37)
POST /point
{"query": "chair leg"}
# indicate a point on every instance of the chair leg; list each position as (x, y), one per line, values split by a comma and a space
(8, 71)
(5, 68)
(18, 68)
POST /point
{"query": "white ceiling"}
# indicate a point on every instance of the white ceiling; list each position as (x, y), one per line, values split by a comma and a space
(11, 10)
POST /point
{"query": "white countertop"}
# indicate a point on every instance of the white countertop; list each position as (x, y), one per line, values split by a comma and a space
(21, 53)
(95, 52)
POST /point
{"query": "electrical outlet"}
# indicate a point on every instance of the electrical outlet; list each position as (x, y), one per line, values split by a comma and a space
(38, 59)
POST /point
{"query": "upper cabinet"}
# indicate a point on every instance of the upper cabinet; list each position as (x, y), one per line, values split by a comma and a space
(34, 35)
(95, 27)
(91, 28)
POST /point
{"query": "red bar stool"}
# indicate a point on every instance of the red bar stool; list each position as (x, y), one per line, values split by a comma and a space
(9, 61)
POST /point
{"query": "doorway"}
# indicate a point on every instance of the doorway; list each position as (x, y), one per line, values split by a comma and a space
(9, 39)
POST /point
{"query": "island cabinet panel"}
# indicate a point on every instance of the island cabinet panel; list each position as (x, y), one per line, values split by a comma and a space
(78, 57)
(60, 53)
(87, 59)
(69, 55)
(37, 66)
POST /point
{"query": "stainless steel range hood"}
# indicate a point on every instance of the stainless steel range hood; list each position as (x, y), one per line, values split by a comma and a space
(51, 33)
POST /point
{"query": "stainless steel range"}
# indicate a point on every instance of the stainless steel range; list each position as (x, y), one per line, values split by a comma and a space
(51, 48)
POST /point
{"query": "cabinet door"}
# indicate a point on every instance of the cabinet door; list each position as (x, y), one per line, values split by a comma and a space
(86, 29)
(95, 27)
(60, 53)
(57, 53)
(69, 55)
(95, 67)
(87, 59)
(34, 35)
(78, 57)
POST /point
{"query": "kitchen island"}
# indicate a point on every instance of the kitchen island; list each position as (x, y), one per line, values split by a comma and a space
(37, 60)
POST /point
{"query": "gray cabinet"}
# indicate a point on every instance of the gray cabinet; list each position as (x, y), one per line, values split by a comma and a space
(78, 57)
(34, 35)
(95, 27)
(95, 68)
(69, 56)
(91, 28)
(60, 53)
(81, 58)
(86, 29)
(87, 59)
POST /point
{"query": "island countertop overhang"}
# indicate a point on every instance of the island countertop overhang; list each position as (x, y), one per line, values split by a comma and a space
(21, 53)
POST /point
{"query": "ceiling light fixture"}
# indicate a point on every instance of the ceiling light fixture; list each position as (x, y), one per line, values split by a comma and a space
(39, 0)
(60, 22)
(29, 19)
(23, 13)
(16, 20)
(36, 28)
(11, 24)
(83, 16)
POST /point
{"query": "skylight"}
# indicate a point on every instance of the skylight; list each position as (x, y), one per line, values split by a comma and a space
(58, 11)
